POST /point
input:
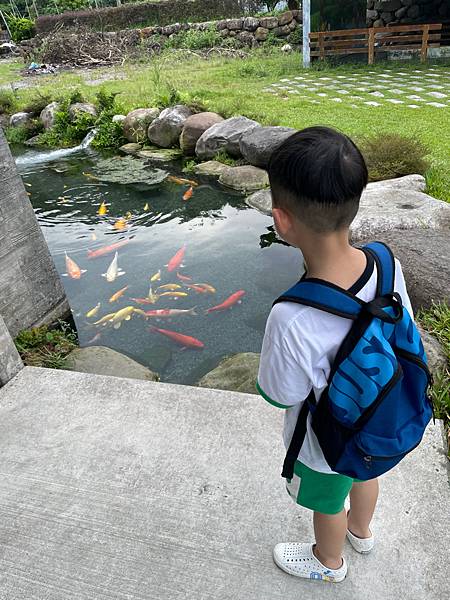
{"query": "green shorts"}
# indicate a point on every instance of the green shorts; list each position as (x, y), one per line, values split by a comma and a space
(321, 492)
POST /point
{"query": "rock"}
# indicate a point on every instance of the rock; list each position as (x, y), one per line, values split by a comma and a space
(292, 25)
(413, 11)
(48, 115)
(286, 48)
(131, 148)
(372, 14)
(245, 179)
(19, 119)
(236, 373)
(234, 24)
(136, 123)
(211, 168)
(378, 23)
(262, 201)
(118, 118)
(251, 23)
(104, 361)
(194, 127)
(128, 171)
(269, 22)
(224, 136)
(261, 34)
(285, 18)
(387, 17)
(400, 13)
(423, 254)
(407, 182)
(33, 142)
(81, 108)
(245, 37)
(281, 31)
(257, 145)
(165, 130)
(437, 359)
(221, 25)
(387, 5)
(160, 155)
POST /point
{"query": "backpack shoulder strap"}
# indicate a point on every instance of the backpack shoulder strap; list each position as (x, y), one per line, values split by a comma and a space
(385, 262)
(325, 296)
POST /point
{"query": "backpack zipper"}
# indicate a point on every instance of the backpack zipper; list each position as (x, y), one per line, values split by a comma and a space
(423, 365)
(369, 458)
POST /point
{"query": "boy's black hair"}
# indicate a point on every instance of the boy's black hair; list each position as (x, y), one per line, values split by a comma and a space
(319, 175)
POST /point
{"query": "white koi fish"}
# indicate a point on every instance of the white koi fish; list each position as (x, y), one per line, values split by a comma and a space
(113, 270)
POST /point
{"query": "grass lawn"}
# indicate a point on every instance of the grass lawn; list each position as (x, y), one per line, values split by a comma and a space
(9, 71)
(234, 86)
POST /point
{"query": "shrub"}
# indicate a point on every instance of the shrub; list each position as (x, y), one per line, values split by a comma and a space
(20, 28)
(7, 101)
(19, 135)
(390, 155)
(65, 132)
(109, 134)
(195, 39)
(37, 104)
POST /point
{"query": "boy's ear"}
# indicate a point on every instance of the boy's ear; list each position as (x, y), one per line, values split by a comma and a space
(282, 220)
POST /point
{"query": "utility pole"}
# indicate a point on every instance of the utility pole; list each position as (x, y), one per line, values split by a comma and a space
(306, 6)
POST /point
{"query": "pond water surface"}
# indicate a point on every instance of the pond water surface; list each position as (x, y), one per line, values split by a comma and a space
(223, 248)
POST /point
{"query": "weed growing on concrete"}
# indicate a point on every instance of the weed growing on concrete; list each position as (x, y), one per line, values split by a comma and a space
(46, 347)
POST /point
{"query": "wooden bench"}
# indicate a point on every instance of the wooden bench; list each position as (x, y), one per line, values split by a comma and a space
(375, 39)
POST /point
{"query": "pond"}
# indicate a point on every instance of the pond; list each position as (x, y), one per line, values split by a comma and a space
(213, 234)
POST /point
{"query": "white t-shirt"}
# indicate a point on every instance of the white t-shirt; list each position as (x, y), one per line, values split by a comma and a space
(299, 346)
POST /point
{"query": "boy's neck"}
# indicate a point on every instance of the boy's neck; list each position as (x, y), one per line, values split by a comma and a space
(332, 258)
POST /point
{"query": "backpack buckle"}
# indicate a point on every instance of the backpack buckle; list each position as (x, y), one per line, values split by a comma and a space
(377, 308)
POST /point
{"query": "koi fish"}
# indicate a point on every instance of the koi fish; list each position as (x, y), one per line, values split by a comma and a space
(120, 224)
(176, 260)
(171, 287)
(73, 270)
(182, 181)
(146, 207)
(128, 216)
(151, 296)
(118, 294)
(207, 287)
(174, 294)
(102, 210)
(113, 270)
(188, 195)
(104, 320)
(124, 314)
(184, 277)
(195, 287)
(93, 311)
(96, 337)
(184, 340)
(229, 302)
(156, 276)
(93, 237)
(106, 249)
(170, 312)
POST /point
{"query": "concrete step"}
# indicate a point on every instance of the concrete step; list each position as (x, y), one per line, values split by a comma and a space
(122, 489)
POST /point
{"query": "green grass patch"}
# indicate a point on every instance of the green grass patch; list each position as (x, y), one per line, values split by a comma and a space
(46, 347)
(10, 71)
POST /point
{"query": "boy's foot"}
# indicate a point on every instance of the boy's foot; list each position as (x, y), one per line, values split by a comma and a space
(361, 545)
(299, 560)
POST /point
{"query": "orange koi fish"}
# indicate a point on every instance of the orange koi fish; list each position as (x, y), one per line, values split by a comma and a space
(170, 312)
(176, 260)
(184, 277)
(197, 288)
(96, 337)
(104, 250)
(143, 300)
(182, 181)
(73, 270)
(118, 294)
(120, 224)
(229, 302)
(188, 195)
(184, 340)
(207, 287)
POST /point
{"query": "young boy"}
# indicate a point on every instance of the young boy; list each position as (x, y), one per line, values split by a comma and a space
(317, 177)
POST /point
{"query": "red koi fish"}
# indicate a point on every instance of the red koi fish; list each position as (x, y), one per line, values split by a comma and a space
(229, 302)
(162, 313)
(184, 277)
(107, 249)
(143, 300)
(176, 260)
(196, 288)
(184, 340)
(188, 195)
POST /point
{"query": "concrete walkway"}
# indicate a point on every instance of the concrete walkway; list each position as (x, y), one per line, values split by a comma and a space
(119, 489)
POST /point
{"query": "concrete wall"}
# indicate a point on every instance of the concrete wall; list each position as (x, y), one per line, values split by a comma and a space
(390, 12)
(30, 288)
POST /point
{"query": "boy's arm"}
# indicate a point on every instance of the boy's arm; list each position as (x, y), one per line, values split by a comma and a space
(282, 381)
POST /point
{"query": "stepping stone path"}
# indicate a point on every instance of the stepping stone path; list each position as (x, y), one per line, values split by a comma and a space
(428, 87)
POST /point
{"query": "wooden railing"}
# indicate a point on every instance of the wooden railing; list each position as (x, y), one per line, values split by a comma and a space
(375, 39)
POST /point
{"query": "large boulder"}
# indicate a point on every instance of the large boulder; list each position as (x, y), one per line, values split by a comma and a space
(48, 115)
(160, 155)
(131, 148)
(104, 361)
(165, 130)
(20, 119)
(137, 122)
(211, 168)
(81, 108)
(424, 256)
(245, 178)
(236, 373)
(437, 359)
(224, 136)
(194, 127)
(262, 201)
(258, 144)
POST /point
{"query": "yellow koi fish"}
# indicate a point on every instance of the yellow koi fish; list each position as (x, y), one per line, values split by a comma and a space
(174, 294)
(182, 181)
(103, 210)
(128, 216)
(124, 314)
(118, 294)
(90, 176)
(171, 287)
(93, 311)
(104, 320)
(120, 224)
(207, 287)
(146, 207)
(156, 276)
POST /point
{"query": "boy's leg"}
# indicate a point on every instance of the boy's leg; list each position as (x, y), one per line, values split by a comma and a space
(330, 532)
(363, 500)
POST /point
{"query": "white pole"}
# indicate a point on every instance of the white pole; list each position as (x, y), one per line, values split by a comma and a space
(306, 5)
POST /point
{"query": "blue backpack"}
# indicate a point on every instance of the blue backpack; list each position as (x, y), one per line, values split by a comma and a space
(375, 407)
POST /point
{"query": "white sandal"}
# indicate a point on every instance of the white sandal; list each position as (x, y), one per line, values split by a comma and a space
(299, 560)
(361, 545)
